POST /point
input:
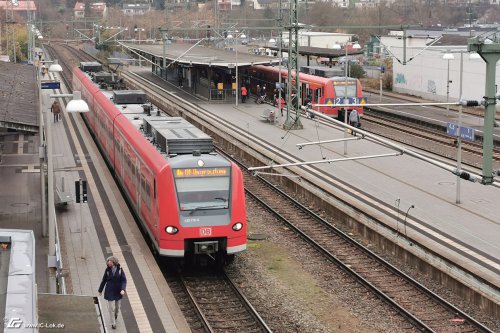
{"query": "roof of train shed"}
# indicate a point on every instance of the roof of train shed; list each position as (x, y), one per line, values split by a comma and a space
(320, 51)
(18, 97)
(204, 55)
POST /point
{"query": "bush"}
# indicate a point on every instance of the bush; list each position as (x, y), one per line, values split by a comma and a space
(356, 71)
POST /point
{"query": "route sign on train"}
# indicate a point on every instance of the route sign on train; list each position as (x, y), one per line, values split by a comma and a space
(466, 133)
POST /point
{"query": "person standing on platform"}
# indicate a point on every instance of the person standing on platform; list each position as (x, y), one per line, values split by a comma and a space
(180, 78)
(116, 283)
(244, 93)
(280, 103)
(354, 119)
(43, 71)
(56, 110)
(257, 93)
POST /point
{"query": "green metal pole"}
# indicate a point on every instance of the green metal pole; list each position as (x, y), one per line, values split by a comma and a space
(488, 47)
(489, 117)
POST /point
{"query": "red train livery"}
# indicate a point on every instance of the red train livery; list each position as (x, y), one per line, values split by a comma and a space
(333, 90)
(190, 200)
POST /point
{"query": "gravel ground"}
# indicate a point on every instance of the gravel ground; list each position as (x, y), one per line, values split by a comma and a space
(293, 292)
(291, 287)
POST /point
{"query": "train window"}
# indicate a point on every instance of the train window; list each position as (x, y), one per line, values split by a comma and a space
(146, 191)
(203, 192)
(340, 89)
(316, 95)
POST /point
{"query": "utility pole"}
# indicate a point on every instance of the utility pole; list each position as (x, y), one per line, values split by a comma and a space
(293, 65)
(488, 47)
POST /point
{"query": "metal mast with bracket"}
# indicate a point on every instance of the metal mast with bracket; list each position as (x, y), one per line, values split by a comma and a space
(293, 118)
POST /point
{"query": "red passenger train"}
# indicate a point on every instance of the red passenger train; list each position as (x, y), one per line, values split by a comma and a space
(321, 90)
(190, 200)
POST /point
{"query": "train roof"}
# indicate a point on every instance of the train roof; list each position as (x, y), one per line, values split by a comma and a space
(90, 66)
(304, 76)
(171, 136)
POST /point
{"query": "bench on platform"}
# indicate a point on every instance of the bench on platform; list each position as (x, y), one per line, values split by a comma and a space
(62, 197)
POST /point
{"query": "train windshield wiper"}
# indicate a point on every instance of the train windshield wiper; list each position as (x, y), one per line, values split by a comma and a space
(207, 207)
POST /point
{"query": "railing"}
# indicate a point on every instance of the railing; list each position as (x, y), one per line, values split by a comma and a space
(223, 95)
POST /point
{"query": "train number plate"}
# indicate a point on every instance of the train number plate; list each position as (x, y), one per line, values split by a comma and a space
(205, 231)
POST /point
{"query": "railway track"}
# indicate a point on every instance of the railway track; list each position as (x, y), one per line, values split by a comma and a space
(423, 309)
(213, 303)
(434, 136)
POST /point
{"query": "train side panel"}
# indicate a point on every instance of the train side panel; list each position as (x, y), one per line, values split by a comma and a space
(137, 167)
(237, 240)
(104, 114)
(81, 82)
(321, 90)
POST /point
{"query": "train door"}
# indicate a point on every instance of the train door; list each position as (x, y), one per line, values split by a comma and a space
(136, 178)
(119, 158)
(316, 98)
(304, 90)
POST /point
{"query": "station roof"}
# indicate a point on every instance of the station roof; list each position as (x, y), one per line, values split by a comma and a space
(18, 97)
(321, 51)
(203, 55)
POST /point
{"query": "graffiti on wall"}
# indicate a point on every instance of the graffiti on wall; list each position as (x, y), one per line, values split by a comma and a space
(400, 78)
(431, 86)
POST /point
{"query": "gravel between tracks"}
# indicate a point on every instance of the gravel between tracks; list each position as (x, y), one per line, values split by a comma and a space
(285, 285)
(289, 286)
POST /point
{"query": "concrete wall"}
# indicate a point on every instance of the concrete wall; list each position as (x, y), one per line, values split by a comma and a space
(426, 74)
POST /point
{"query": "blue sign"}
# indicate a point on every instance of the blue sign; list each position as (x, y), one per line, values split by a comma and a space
(466, 133)
(50, 85)
(348, 100)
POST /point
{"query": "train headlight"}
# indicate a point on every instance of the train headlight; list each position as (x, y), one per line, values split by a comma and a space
(171, 230)
(237, 226)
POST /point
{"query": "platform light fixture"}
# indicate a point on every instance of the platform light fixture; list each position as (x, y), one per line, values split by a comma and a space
(55, 67)
(77, 104)
(474, 55)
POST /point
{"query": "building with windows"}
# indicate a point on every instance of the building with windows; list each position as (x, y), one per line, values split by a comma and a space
(131, 9)
(98, 9)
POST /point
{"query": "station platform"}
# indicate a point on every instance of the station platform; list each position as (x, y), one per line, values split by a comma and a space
(407, 194)
(88, 233)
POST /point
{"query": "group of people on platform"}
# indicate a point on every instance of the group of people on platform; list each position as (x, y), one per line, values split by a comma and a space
(278, 100)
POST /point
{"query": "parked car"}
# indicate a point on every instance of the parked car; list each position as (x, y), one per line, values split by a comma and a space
(351, 60)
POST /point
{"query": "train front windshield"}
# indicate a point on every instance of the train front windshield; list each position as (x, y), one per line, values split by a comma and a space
(203, 189)
(340, 89)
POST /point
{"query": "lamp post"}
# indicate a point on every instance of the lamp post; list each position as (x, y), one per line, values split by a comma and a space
(355, 46)
(473, 55)
(75, 105)
(230, 37)
(164, 35)
(448, 56)
(138, 30)
(54, 67)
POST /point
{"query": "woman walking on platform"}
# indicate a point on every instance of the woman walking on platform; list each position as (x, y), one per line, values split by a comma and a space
(115, 281)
